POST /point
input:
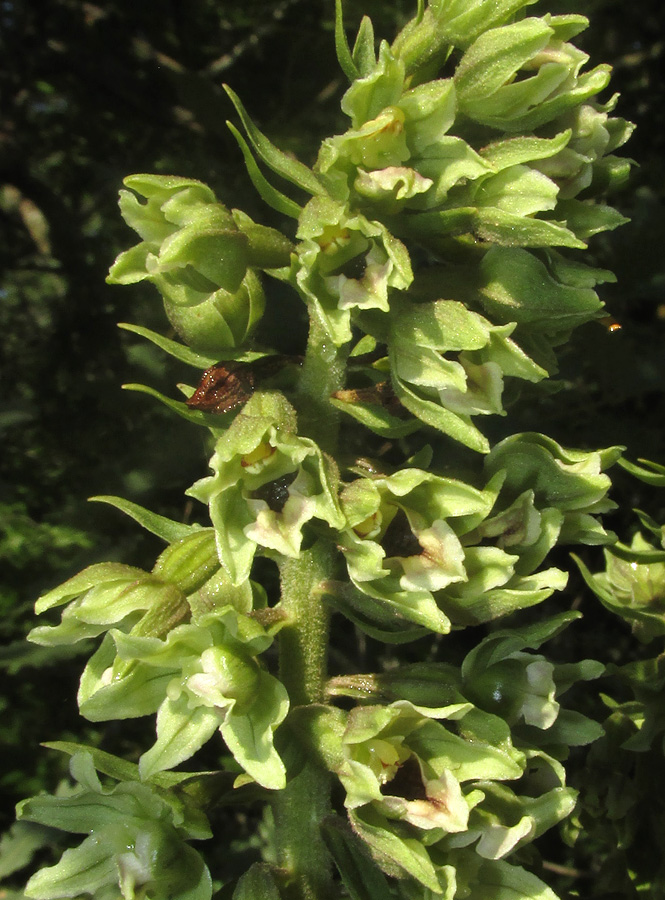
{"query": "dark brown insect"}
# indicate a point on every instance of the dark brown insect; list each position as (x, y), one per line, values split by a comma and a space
(226, 386)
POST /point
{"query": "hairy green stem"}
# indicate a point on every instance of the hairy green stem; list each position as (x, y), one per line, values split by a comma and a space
(322, 373)
(303, 642)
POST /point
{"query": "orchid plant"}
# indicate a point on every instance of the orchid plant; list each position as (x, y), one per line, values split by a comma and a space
(437, 248)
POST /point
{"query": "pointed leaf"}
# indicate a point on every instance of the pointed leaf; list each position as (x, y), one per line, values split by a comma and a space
(164, 528)
(289, 168)
(173, 348)
(342, 48)
(269, 194)
(362, 879)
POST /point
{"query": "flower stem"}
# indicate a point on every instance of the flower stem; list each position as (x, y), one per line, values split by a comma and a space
(323, 372)
(303, 642)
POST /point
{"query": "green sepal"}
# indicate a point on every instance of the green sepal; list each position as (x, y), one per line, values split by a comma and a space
(97, 574)
(136, 690)
(286, 166)
(462, 21)
(106, 595)
(475, 603)
(364, 54)
(495, 57)
(181, 731)
(496, 226)
(249, 735)
(587, 218)
(513, 151)
(458, 427)
(385, 620)
(485, 879)
(632, 590)
(561, 297)
(381, 88)
(569, 480)
(502, 644)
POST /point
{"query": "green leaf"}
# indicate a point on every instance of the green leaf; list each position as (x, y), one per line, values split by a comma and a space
(173, 348)
(649, 472)
(269, 194)
(400, 854)
(166, 529)
(216, 422)
(342, 48)
(289, 168)
(361, 877)
(110, 765)
(258, 883)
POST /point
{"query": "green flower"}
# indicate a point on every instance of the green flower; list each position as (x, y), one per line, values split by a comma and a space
(633, 587)
(570, 481)
(346, 263)
(185, 577)
(135, 845)
(418, 789)
(201, 678)
(268, 483)
(445, 392)
(402, 542)
(193, 251)
(520, 76)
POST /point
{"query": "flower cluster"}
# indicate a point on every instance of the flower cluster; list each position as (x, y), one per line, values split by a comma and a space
(434, 260)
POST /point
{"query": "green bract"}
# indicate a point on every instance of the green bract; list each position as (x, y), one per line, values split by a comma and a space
(135, 845)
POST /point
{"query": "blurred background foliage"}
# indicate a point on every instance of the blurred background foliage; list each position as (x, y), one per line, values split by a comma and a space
(90, 92)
